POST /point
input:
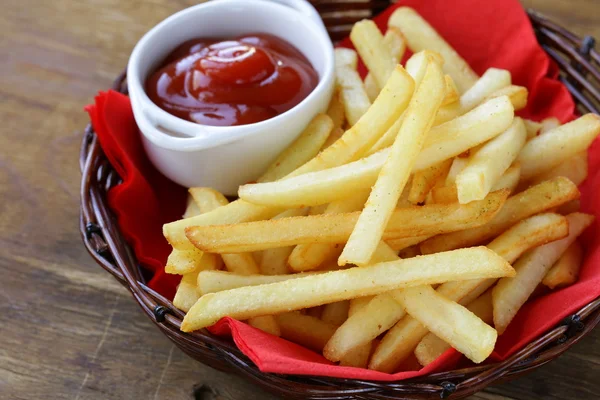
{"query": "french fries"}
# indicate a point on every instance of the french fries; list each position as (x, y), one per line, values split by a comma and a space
(186, 295)
(351, 89)
(310, 291)
(356, 141)
(416, 160)
(370, 45)
(536, 199)
(510, 294)
(487, 164)
(307, 330)
(395, 172)
(462, 329)
(396, 46)
(266, 323)
(422, 36)
(217, 281)
(549, 149)
(449, 194)
(400, 341)
(431, 346)
(306, 257)
(335, 313)
(575, 168)
(274, 261)
(566, 269)
(303, 149)
(490, 82)
(423, 181)
(336, 228)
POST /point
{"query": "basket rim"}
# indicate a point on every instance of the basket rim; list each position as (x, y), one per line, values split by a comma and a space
(106, 245)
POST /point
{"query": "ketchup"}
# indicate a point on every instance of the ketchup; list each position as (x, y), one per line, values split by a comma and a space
(227, 82)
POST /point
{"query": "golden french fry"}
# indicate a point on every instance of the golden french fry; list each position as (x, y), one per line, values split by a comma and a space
(364, 325)
(335, 111)
(510, 245)
(549, 149)
(335, 313)
(240, 263)
(395, 172)
(536, 199)
(449, 194)
(575, 168)
(217, 281)
(310, 291)
(431, 346)
(458, 164)
(355, 142)
(410, 252)
(430, 219)
(516, 94)
(359, 357)
(266, 323)
(566, 270)
(548, 124)
(450, 321)
(396, 46)
(452, 95)
(510, 294)
(237, 211)
(305, 257)
(303, 149)
(191, 208)
(306, 330)
(400, 341)
(274, 261)
(186, 294)
(358, 303)
(491, 81)
(208, 199)
(368, 42)
(319, 187)
(404, 243)
(422, 36)
(352, 91)
(532, 128)
(183, 262)
(423, 181)
(335, 134)
(487, 164)
(452, 138)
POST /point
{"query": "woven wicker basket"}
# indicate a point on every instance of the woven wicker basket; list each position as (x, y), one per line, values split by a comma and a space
(580, 72)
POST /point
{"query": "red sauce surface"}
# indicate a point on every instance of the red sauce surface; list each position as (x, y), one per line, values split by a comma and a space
(225, 82)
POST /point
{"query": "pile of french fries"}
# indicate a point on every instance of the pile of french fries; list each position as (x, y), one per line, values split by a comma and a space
(418, 214)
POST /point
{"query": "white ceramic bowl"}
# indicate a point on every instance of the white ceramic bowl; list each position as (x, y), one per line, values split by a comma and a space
(225, 157)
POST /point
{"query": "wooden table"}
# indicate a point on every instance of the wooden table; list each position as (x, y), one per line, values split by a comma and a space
(67, 329)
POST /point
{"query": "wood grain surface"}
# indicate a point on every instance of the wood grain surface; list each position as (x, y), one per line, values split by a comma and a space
(67, 329)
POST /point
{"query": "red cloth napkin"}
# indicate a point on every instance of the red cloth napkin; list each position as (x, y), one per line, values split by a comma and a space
(494, 34)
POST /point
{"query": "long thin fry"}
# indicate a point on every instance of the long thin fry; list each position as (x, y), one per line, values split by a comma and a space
(510, 294)
(306, 257)
(369, 43)
(305, 330)
(549, 149)
(431, 346)
(303, 149)
(336, 228)
(422, 36)
(487, 164)
(211, 281)
(566, 270)
(352, 91)
(396, 46)
(395, 172)
(534, 200)
(246, 302)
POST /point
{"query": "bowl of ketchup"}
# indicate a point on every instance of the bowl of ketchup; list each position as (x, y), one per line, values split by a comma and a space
(218, 90)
